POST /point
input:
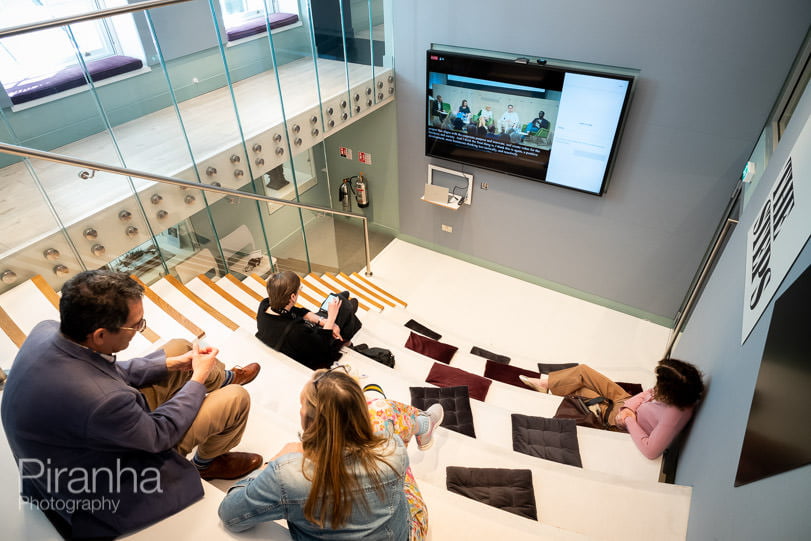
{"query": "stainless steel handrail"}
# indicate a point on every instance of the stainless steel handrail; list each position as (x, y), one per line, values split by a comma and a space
(89, 16)
(96, 166)
(681, 319)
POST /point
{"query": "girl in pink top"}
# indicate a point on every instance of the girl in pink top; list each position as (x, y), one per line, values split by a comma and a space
(653, 417)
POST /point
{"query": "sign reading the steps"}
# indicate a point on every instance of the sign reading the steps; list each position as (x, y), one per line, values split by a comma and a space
(780, 230)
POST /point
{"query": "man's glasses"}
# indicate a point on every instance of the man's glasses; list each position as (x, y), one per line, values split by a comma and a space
(344, 367)
(140, 327)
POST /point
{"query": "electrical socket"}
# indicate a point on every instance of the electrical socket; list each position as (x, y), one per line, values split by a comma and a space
(484, 185)
(447, 228)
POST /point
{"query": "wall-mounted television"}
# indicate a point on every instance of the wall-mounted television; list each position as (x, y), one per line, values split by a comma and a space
(530, 118)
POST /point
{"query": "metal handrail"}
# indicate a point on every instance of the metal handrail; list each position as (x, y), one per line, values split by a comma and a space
(89, 16)
(96, 166)
(722, 232)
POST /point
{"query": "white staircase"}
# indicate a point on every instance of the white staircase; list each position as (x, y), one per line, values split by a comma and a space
(616, 495)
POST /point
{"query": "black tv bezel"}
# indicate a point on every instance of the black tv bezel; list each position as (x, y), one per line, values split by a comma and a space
(522, 71)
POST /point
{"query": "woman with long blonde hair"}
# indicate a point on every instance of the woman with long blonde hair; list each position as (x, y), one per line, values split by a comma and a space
(349, 476)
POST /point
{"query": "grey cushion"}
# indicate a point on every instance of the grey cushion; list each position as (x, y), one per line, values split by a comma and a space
(455, 401)
(510, 490)
(550, 439)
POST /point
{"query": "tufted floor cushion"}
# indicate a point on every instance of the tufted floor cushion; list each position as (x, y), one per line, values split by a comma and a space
(510, 490)
(454, 400)
(447, 376)
(549, 439)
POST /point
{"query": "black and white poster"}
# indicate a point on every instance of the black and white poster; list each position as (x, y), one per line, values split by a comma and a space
(779, 231)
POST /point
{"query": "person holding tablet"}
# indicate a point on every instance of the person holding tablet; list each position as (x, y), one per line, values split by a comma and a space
(313, 339)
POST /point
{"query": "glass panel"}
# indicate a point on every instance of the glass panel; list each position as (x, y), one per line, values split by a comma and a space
(34, 240)
(382, 49)
(74, 125)
(358, 46)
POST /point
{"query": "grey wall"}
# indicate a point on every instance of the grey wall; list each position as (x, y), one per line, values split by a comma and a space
(710, 72)
(381, 174)
(777, 507)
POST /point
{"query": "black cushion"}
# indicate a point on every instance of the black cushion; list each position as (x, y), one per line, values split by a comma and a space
(510, 490)
(545, 368)
(549, 439)
(422, 329)
(481, 352)
(454, 400)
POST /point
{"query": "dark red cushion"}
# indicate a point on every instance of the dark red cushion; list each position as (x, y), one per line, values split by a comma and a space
(507, 373)
(438, 351)
(447, 376)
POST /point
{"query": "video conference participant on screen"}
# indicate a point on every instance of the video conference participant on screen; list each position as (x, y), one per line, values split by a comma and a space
(509, 121)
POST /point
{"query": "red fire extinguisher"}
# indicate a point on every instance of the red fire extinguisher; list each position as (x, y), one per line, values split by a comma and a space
(362, 192)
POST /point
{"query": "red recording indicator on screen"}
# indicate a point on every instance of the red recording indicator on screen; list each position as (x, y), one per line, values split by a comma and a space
(434, 57)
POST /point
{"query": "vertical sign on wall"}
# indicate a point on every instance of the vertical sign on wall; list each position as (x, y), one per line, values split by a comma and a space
(780, 230)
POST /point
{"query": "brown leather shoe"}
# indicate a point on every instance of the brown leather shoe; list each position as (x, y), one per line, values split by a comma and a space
(245, 375)
(232, 466)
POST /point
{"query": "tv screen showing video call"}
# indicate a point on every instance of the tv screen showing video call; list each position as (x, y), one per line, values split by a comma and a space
(544, 123)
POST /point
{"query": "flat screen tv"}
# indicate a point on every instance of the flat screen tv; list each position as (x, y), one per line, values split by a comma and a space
(548, 123)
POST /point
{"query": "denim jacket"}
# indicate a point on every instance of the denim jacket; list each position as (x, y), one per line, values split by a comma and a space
(280, 491)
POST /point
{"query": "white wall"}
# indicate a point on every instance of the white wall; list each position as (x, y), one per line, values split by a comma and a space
(710, 72)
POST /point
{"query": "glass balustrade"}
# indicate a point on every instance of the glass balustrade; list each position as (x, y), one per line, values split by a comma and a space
(203, 91)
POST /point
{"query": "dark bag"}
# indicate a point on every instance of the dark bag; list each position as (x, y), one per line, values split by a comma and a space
(381, 355)
(578, 408)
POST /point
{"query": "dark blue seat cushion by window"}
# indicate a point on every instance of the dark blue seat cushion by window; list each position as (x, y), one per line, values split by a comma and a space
(277, 20)
(71, 77)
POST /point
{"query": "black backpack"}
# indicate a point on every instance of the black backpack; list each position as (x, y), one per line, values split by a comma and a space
(381, 355)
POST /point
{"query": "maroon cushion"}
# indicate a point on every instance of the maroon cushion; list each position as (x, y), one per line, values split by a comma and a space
(507, 373)
(438, 351)
(447, 376)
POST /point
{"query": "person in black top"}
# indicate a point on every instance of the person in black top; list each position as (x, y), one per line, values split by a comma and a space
(311, 339)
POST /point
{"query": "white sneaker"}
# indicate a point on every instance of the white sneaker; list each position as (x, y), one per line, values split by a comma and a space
(435, 413)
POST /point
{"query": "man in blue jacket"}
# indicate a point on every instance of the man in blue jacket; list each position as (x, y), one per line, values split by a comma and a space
(100, 444)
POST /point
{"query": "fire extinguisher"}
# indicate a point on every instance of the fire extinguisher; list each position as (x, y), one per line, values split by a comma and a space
(343, 195)
(362, 192)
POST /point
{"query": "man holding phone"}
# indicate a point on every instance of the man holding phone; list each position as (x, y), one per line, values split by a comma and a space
(313, 339)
